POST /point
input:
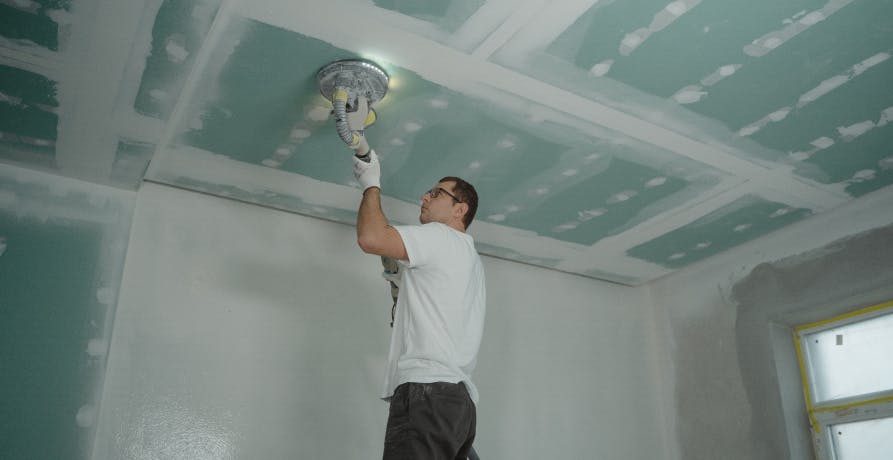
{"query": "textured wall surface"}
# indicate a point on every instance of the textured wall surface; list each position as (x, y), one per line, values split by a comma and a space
(729, 321)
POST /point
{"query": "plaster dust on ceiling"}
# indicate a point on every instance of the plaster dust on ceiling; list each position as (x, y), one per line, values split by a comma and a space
(614, 140)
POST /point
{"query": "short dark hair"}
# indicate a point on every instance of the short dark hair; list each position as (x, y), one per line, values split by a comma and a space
(466, 193)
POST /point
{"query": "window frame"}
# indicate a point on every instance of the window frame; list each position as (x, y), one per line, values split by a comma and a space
(824, 415)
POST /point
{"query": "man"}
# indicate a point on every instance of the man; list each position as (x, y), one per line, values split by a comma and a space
(439, 317)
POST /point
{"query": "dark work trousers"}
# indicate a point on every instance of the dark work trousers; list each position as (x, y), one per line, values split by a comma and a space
(430, 421)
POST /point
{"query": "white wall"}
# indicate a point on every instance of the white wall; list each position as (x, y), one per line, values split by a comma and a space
(737, 391)
(244, 332)
(567, 369)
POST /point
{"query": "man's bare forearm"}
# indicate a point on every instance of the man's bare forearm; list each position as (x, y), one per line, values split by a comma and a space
(371, 221)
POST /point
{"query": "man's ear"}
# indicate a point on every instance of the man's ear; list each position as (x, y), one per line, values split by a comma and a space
(460, 210)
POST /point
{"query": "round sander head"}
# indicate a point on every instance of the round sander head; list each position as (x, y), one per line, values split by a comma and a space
(359, 76)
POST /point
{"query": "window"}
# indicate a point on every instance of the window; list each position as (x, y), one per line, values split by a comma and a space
(847, 368)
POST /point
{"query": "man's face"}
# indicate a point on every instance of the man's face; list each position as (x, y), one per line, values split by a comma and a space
(437, 208)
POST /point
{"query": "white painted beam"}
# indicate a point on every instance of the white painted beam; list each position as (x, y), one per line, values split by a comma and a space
(140, 128)
(128, 120)
(492, 26)
(547, 26)
(87, 141)
(783, 185)
(203, 60)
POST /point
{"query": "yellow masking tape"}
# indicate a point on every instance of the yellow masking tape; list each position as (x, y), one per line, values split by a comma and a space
(846, 316)
(855, 404)
(806, 392)
(812, 419)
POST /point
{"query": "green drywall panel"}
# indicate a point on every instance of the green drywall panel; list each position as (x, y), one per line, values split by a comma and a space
(29, 87)
(779, 78)
(30, 22)
(877, 181)
(424, 131)
(178, 33)
(864, 164)
(677, 56)
(28, 120)
(465, 139)
(712, 35)
(741, 221)
(690, 51)
(49, 312)
(251, 114)
(848, 104)
(448, 15)
(598, 195)
(597, 33)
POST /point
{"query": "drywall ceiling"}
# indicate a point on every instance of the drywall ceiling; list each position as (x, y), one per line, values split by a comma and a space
(620, 140)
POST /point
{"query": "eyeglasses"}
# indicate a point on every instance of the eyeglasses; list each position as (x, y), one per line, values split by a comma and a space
(436, 191)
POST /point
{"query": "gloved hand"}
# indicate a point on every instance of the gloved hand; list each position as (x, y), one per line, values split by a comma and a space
(367, 174)
(391, 272)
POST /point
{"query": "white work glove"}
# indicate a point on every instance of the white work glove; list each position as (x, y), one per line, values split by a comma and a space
(391, 270)
(367, 174)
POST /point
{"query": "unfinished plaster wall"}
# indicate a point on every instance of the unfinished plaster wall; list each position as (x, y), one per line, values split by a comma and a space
(245, 332)
(62, 248)
(851, 273)
(729, 323)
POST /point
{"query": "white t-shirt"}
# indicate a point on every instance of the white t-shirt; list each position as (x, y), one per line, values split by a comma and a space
(440, 309)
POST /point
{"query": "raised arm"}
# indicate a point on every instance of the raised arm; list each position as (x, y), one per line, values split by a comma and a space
(374, 235)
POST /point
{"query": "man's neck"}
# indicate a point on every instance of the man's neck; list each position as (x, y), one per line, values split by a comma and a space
(456, 226)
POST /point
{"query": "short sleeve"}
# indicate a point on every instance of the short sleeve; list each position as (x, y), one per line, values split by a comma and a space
(421, 242)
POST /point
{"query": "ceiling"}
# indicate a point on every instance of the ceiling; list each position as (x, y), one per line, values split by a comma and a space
(619, 140)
